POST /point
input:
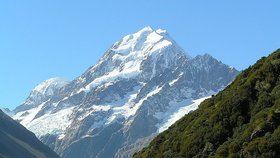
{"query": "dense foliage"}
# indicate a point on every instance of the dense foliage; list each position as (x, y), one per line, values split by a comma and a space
(241, 121)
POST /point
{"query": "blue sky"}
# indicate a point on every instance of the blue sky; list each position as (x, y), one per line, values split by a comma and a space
(43, 39)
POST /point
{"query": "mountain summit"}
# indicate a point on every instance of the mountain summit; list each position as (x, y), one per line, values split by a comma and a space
(42, 92)
(144, 83)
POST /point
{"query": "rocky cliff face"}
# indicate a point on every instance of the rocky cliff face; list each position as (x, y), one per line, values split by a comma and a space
(143, 84)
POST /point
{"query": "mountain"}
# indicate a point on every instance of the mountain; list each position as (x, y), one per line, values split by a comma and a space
(16, 141)
(41, 93)
(144, 83)
(7, 111)
(241, 121)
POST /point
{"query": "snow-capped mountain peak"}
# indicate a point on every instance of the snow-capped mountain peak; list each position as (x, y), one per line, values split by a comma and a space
(141, 85)
(147, 50)
(142, 42)
(42, 92)
(45, 87)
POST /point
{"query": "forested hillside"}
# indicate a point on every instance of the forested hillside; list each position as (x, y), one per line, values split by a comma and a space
(241, 121)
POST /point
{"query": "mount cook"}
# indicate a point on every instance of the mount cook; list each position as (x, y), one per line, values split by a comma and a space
(142, 85)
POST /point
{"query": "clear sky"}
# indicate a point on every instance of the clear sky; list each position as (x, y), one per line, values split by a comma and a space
(62, 38)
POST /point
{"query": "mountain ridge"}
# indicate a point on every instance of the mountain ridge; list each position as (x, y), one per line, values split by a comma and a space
(127, 96)
(241, 121)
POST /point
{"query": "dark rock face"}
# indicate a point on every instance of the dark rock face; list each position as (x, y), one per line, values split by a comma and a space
(16, 141)
(132, 93)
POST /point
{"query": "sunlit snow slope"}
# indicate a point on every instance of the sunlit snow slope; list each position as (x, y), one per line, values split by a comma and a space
(142, 84)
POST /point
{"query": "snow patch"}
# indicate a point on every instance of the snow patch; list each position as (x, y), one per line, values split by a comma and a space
(111, 77)
(25, 117)
(92, 109)
(133, 110)
(172, 82)
(130, 106)
(123, 110)
(176, 112)
(51, 123)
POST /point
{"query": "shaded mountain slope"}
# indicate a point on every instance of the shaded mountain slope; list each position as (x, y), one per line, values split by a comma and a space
(241, 121)
(16, 141)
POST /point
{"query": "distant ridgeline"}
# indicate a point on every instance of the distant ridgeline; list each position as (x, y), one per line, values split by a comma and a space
(17, 142)
(241, 121)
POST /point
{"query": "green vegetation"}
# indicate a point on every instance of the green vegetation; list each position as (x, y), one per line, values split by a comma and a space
(241, 121)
